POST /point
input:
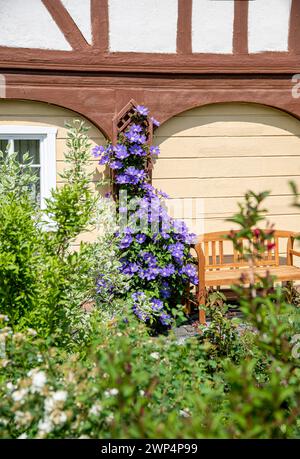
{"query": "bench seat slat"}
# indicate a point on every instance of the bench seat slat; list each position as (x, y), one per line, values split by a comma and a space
(228, 277)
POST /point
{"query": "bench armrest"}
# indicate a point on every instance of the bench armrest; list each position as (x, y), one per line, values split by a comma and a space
(201, 265)
(294, 252)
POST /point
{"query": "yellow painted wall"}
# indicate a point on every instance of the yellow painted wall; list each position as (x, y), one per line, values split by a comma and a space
(209, 156)
(42, 114)
(214, 154)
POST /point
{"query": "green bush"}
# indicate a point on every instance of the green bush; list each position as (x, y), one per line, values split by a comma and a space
(42, 280)
(20, 240)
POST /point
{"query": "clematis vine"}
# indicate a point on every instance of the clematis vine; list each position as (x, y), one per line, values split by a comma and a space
(154, 248)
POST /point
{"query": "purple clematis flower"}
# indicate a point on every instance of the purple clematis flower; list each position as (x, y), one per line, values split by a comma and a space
(191, 272)
(137, 150)
(155, 151)
(140, 238)
(126, 241)
(122, 179)
(98, 150)
(135, 135)
(155, 122)
(131, 268)
(176, 250)
(104, 159)
(142, 110)
(157, 305)
(116, 164)
(167, 270)
(165, 319)
(121, 152)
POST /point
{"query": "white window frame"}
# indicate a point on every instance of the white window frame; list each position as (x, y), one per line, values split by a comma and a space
(47, 137)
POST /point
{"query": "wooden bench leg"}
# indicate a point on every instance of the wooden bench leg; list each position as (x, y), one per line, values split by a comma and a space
(202, 301)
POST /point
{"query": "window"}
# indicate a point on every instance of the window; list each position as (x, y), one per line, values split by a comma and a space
(39, 142)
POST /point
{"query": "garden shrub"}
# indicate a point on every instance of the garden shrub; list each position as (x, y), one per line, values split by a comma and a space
(265, 405)
(114, 393)
(20, 239)
(111, 283)
(128, 385)
(42, 280)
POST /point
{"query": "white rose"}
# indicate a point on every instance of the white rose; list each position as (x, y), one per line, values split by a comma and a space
(155, 355)
(45, 426)
(109, 392)
(38, 381)
(60, 396)
(96, 409)
(18, 395)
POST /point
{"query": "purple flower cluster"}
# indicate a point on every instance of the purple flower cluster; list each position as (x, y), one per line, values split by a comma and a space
(137, 150)
(131, 176)
(165, 319)
(142, 110)
(168, 270)
(155, 122)
(157, 259)
(103, 285)
(177, 251)
(157, 305)
(121, 152)
(190, 271)
(165, 290)
(135, 134)
(138, 311)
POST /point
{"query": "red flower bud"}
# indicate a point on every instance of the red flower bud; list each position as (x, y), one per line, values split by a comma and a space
(256, 232)
(270, 246)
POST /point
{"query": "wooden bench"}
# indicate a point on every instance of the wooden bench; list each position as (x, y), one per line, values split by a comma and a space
(219, 264)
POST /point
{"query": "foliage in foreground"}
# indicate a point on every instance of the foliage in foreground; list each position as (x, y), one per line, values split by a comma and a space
(42, 281)
(129, 385)
(229, 381)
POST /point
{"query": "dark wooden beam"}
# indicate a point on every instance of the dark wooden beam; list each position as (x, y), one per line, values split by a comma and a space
(184, 27)
(66, 24)
(240, 27)
(294, 28)
(99, 18)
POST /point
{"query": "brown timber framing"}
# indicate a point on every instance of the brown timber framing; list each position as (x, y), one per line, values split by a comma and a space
(240, 27)
(294, 29)
(66, 24)
(99, 17)
(97, 58)
(184, 27)
(99, 96)
(97, 84)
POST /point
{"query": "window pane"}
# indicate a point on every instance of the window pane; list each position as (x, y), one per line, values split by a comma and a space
(30, 146)
(37, 186)
(3, 145)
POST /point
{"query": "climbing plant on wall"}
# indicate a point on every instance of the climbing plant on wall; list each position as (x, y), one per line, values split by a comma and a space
(154, 247)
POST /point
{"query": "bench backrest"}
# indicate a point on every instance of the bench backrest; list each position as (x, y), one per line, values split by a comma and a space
(215, 251)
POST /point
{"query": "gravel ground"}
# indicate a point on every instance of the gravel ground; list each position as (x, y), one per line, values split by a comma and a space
(190, 329)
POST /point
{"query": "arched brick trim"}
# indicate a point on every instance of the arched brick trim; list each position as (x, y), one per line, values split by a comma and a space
(99, 97)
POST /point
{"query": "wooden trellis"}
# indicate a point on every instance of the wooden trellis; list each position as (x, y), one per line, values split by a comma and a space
(121, 122)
